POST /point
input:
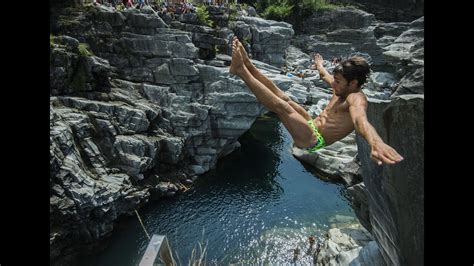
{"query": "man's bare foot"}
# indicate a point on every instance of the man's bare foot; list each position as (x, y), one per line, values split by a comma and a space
(243, 52)
(237, 63)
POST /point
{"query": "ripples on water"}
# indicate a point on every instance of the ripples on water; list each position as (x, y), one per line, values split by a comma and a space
(257, 206)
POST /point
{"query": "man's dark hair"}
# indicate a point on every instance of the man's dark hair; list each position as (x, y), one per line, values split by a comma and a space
(353, 68)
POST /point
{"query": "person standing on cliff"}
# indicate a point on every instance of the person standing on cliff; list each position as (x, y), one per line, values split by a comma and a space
(345, 112)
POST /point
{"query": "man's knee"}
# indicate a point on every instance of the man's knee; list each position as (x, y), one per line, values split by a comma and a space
(298, 108)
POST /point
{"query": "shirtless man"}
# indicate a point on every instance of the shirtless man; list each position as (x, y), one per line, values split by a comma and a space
(344, 113)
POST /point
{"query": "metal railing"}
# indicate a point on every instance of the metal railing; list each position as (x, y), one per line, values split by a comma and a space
(158, 252)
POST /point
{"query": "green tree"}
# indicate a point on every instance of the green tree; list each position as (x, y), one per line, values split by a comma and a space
(203, 15)
(292, 11)
(279, 11)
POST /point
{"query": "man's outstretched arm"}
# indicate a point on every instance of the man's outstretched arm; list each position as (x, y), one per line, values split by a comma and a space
(323, 73)
(380, 152)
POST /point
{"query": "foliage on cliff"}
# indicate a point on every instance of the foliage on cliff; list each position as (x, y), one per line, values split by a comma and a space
(292, 11)
(203, 16)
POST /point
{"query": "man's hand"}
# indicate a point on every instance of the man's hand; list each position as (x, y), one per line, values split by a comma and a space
(382, 153)
(323, 73)
(318, 61)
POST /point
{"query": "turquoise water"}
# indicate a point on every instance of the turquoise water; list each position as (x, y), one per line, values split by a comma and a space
(257, 206)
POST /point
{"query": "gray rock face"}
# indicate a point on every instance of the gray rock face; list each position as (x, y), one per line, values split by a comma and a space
(395, 47)
(396, 193)
(406, 53)
(342, 18)
(137, 114)
(296, 58)
(369, 255)
(341, 32)
(390, 11)
(360, 204)
(362, 40)
(207, 39)
(349, 245)
(393, 29)
(320, 44)
(72, 72)
(143, 21)
(86, 195)
(267, 39)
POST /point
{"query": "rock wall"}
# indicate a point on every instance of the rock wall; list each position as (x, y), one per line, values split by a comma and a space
(348, 245)
(341, 32)
(407, 54)
(390, 10)
(135, 114)
(396, 193)
(265, 39)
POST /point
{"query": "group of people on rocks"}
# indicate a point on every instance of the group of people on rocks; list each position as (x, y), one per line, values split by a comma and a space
(175, 7)
(170, 8)
(182, 7)
(301, 73)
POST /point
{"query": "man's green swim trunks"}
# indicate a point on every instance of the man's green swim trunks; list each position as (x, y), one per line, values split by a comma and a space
(320, 143)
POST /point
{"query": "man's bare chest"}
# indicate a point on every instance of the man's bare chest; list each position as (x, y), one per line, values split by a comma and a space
(338, 109)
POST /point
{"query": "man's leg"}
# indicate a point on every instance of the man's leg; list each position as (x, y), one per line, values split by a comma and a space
(295, 123)
(300, 110)
(267, 82)
(258, 75)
